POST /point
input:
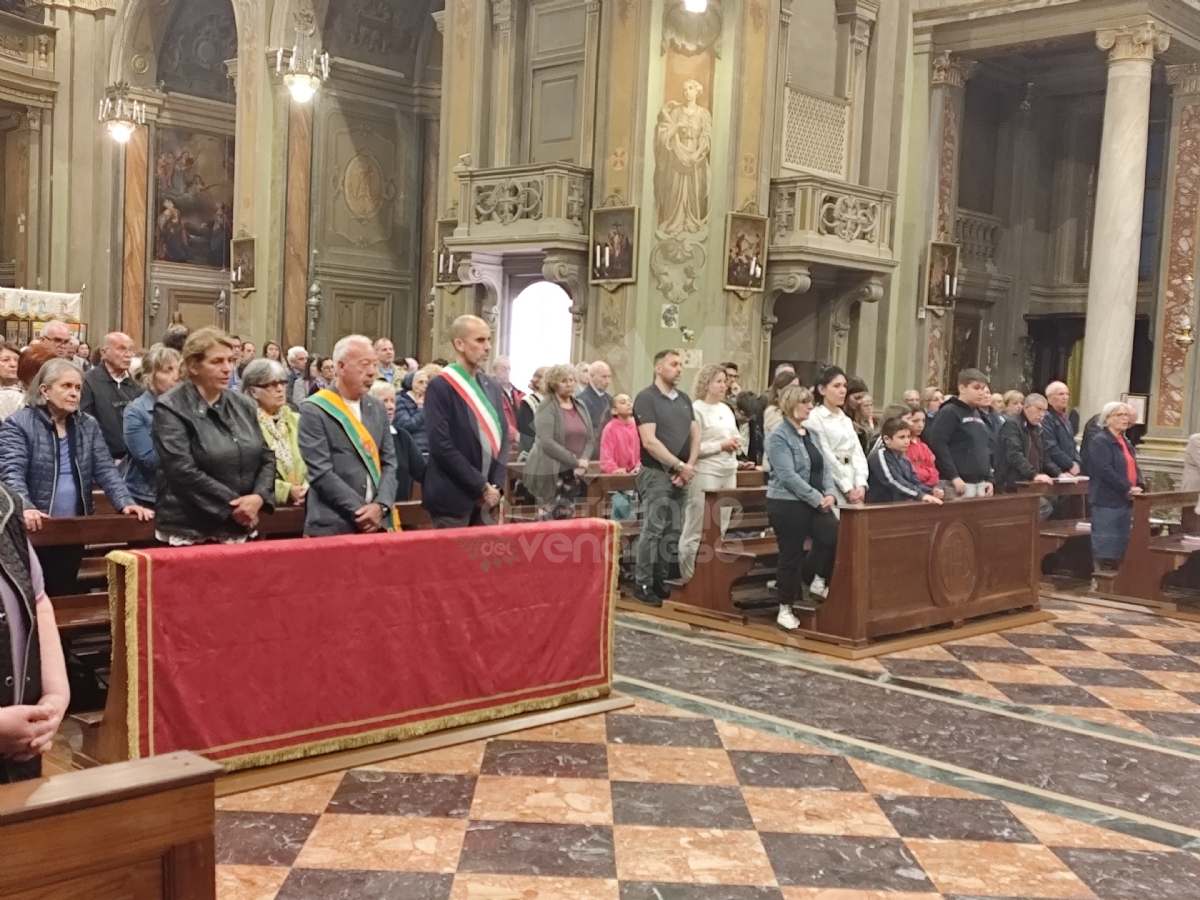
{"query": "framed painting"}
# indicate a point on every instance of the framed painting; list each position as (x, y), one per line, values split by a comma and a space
(613, 242)
(193, 197)
(941, 287)
(1140, 403)
(446, 260)
(745, 252)
(242, 265)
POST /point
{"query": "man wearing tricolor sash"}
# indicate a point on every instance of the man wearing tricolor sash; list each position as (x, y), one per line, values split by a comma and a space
(346, 442)
(468, 443)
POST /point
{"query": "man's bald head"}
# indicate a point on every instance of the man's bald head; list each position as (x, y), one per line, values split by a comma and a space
(58, 335)
(117, 353)
(472, 339)
(1058, 395)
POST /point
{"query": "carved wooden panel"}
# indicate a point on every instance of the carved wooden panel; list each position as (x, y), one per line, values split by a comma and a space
(553, 94)
(359, 311)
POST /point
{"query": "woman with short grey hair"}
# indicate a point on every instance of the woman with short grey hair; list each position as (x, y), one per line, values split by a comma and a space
(51, 453)
(562, 446)
(1115, 481)
(265, 380)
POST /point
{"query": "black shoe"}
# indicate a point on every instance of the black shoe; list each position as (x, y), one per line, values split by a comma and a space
(661, 591)
(645, 595)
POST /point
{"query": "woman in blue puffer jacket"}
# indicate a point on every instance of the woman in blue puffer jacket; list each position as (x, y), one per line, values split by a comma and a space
(50, 455)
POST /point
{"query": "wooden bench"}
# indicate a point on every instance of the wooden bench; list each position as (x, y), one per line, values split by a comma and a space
(1062, 545)
(136, 830)
(900, 567)
(1151, 557)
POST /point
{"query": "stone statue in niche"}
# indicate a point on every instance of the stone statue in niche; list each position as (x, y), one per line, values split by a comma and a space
(683, 146)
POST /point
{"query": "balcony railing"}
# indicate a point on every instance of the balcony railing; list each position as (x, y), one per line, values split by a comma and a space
(515, 203)
(977, 234)
(816, 133)
(828, 220)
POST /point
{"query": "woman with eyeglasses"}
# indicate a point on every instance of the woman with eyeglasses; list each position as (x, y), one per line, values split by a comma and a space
(159, 373)
(265, 380)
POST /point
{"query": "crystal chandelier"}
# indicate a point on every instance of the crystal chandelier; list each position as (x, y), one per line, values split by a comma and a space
(306, 69)
(120, 115)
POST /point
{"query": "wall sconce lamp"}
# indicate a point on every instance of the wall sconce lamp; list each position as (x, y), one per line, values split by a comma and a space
(695, 6)
(120, 115)
(306, 68)
(1184, 337)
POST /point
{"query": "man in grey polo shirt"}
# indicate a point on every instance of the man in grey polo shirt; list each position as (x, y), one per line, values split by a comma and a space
(670, 443)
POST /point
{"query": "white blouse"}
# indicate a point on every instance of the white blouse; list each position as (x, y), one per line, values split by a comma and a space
(717, 425)
(843, 452)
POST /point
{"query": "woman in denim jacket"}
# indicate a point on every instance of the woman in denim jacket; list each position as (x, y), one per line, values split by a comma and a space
(800, 501)
(159, 373)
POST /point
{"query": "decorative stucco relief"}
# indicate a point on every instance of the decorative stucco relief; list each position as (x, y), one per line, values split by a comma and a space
(1178, 297)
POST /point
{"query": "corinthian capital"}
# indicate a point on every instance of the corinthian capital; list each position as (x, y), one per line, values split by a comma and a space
(951, 70)
(1133, 41)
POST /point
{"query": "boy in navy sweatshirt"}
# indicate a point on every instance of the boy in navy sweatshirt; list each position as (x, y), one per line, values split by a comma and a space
(891, 477)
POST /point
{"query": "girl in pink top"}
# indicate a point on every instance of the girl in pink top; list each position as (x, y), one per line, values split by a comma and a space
(620, 446)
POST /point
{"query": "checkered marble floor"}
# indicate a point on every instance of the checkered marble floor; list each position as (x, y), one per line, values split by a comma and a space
(653, 803)
(1113, 667)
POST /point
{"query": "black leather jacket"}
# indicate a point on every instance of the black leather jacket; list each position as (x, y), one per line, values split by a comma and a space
(208, 456)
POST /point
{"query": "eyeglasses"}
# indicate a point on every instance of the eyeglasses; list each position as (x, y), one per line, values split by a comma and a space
(271, 384)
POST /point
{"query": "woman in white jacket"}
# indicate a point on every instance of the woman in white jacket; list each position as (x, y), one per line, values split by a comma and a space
(839, 440)
(716, 466)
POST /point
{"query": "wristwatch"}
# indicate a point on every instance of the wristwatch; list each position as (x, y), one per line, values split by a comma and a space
(675, 468)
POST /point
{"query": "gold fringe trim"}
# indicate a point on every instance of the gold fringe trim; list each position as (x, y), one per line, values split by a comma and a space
(613, 593)
(411, 730)
(127, 614)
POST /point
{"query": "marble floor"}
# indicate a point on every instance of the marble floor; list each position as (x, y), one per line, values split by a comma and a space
(1060, 760)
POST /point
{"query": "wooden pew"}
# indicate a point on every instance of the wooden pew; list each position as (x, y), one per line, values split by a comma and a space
(1150, 557)
(136, 830)
(900, 567)
(1061, 537)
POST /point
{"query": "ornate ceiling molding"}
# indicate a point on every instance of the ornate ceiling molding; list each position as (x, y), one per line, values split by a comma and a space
(1184, 79)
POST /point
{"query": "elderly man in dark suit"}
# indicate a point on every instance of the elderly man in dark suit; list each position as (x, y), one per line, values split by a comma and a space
(598, 400)
(468, 440)
(346, 442)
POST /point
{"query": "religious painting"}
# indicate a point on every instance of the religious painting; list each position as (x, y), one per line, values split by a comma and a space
(447, 259)
(682, 152)
(1138, 403)
(745, 252)
(193, 198)
(242, 267)
(613, 258)
(967, 330)
(941, 287)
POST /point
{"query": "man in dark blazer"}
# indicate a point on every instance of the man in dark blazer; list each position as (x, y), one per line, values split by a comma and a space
(345, 439)
(598, 400)
(1058, 434)
(468, 440)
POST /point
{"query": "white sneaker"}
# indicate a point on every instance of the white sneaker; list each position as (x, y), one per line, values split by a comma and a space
(819, 588)
(787, 619)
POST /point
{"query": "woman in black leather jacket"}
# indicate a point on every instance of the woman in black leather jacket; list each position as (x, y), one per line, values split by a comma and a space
(217, 474)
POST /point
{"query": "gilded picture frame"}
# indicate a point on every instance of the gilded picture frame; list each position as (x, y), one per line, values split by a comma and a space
(445, 260)
(612, 245)
(941, 282)
(746, 243)
(242, 263)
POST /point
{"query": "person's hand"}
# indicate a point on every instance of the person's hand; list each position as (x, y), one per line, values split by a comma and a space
(619, 472)
(730, 445)
(56, 707)
(939, 493)
(827, 501)
(1075, 469)
(22, 728)
(988, 489)
(491, 496)
(1043, 478)
(245, 510)
(678, 481)
(33, 519)
(368, 518)
(932, 500)
(580, 471)
(297, 493)
(960, 486)
(1135, 490)
(143, 514)
(687, 472)
(857, 495)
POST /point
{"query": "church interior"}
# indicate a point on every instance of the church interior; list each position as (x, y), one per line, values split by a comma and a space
(905, 189)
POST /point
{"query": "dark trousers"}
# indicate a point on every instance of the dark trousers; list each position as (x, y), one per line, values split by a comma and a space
(662, 519)
(794, 522)
(468, 520)
(60, 568)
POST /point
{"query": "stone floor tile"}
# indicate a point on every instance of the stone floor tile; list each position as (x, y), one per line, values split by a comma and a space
(792, 811)
(567, 801)
(691, 855)
(998, 870)
(677, 765)
(390, 843)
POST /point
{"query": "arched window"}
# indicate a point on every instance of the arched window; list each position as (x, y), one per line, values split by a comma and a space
(539, 331)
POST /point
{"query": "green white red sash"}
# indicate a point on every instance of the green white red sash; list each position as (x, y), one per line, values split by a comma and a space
(477, 401)
(368, 450)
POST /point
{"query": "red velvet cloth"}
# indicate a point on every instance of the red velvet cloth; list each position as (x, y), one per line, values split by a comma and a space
(269, 651)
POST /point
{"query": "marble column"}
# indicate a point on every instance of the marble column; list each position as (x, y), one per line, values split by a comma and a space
(946, 100)
(135, 216)
(296, 221)
(1120, 187)
(503, 83)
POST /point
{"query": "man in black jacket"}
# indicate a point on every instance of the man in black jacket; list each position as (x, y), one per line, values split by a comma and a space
(1020, 454)
(1058, 434)
(961, 440)
(108, 389)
